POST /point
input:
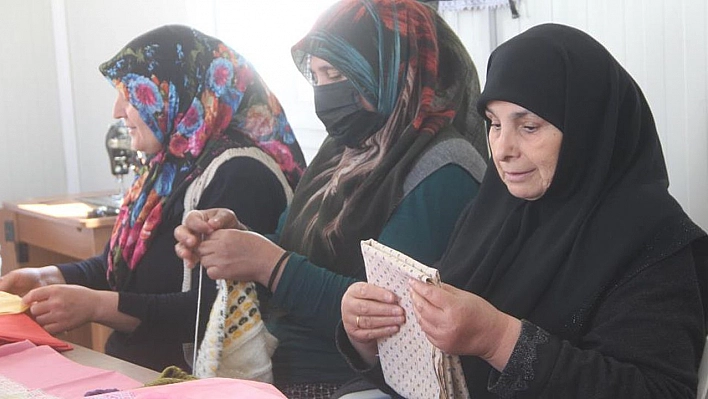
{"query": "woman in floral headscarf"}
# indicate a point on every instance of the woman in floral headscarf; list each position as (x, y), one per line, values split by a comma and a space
(213, 135)
(395, 90)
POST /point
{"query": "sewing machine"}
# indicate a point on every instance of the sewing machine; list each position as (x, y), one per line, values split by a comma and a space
(123, 159)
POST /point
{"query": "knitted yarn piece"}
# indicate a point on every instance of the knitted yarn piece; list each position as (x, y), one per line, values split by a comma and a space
(236, 343)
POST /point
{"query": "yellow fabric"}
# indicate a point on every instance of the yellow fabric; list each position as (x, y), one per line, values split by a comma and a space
(11, 304)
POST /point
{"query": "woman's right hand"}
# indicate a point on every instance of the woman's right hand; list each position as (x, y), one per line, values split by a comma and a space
(198, 224)
(21, 281)
(369, 313)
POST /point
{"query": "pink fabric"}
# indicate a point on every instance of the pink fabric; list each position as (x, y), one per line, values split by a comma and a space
(9, 349)
(212, 388)
(41, 367)
(19, 327)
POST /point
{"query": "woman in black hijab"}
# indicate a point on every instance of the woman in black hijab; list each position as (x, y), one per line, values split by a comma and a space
(578, 275)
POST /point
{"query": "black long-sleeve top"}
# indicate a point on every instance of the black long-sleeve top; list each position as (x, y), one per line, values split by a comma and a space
(644, 341)
(167, 315)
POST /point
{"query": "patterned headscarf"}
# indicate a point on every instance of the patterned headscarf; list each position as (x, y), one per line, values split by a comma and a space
(199, 98)
(407, 62)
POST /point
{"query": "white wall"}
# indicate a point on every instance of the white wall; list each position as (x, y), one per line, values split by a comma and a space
(265, 38)
(96, 30)
(31, 157)
(56, 107)
(663, 45)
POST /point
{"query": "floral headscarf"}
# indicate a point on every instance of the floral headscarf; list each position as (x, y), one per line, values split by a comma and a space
(199, 98)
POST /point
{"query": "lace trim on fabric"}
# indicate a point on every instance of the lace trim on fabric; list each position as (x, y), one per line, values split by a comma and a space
(309, 390)
(14, 390)
(117, 395)
(462, 5)
(519, 371)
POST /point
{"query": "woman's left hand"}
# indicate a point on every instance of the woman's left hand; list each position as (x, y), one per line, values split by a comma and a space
(461, 323)
(238, 255)
(62, 307)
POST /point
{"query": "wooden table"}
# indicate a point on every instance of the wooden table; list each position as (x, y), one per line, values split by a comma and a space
(37, 232)
(92, 358)
(46, 231)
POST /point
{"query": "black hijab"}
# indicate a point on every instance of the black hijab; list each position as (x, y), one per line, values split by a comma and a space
(607, 211)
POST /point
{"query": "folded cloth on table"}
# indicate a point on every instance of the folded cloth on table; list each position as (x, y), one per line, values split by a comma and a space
(39, 372)
(20, 327)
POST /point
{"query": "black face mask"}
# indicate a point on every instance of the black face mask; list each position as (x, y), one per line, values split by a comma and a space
(339, 108)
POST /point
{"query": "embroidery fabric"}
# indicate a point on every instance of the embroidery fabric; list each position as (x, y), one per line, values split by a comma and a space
(412, 366)
(462, 5)
(11, 389)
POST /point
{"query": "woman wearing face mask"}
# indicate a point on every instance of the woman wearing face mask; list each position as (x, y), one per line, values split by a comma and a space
(214, 135)
(395, 89)
(574, 274)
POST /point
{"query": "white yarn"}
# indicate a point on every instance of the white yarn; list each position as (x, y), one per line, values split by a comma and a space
(196, 319)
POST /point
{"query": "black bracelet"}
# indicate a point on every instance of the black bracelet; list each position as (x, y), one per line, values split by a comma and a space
(276, 269)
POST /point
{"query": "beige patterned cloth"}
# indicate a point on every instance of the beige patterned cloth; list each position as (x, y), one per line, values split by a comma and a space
(412, 366)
